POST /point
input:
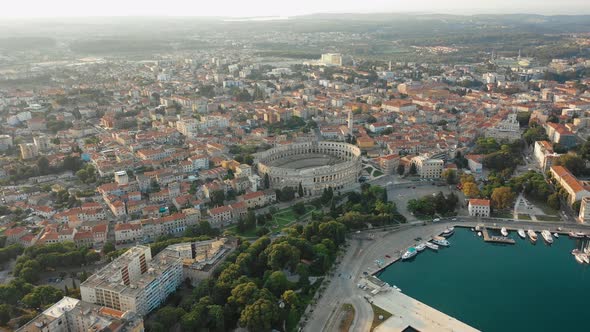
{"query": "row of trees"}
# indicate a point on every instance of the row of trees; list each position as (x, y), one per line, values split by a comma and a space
(18, 293)
(437, 204)
(37, 259)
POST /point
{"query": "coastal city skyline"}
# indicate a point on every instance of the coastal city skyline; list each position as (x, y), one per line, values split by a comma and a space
(327, 166)
(261, 8)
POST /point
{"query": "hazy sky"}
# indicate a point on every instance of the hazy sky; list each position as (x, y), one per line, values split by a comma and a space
(241, 8)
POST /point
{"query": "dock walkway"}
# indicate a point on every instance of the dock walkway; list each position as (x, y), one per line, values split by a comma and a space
(495, 239)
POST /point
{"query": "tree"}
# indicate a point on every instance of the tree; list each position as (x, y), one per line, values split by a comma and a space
(401, 169)
(244, 294)
(266, 181)
(108, 248)
(43, 166)
(299, 208)
(217, 197)
(281, 255)
(260, 315)
(553, 201)
(470, 189)
(502, 197)
(300, 190)
(413, 169)
(169, 316)
(291, 299)
(450, 176)
(573, 163)
(5, 313)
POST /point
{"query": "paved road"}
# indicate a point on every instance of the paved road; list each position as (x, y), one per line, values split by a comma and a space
(360, 257)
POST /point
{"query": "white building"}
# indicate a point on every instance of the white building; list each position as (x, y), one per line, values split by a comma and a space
(121, 178)
(544, 154)
(73, 315)
(479, 207)
(134, 281)
(584, 215)
(508, 129)
(428, 168)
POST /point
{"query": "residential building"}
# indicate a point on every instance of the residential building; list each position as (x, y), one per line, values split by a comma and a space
(475, 163)
(584, 215)
(544, 154)
(128, 233)
(73, 315)
(479, 207)
(428, 168)
(28, 151)
(389, 163)
(575, 188)
(134, 281)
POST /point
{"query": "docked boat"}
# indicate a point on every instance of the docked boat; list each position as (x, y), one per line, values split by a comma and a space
(521, 233)
(585, 258)
(431, 246)
(575, 251)
(580, 234)
(448, 232)
(421, 247)
(473, 229)
(556, 235)
(411, 252)
(573, 235)
(579, 258)
(441, 242)
(547, 236)
(504, 231)
(532, 235)
(479, 234)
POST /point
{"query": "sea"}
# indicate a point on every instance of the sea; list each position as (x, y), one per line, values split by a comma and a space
(500, 288)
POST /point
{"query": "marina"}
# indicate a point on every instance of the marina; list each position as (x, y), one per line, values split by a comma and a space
(469, 271)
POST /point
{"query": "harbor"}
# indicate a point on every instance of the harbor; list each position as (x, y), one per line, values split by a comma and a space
(469, 271)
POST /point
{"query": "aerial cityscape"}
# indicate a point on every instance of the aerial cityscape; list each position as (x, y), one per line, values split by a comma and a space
(248, 166)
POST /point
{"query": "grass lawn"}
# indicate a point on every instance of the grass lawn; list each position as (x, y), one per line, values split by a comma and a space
(377, 311)
(543, 206)
(502, 214)
(377, 173)
(280, 219)
(524, 216)
(549, 218)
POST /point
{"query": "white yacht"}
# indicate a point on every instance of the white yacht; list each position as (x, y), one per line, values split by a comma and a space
(448, 232)
(504, 231)
(521, 233)
(431, 246)
(441, 241)
(547, 236)
(532, 235)
(411, 252)
(421, 247)
(556, 235)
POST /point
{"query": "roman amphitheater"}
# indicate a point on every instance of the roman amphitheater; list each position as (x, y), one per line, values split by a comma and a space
(316, 165)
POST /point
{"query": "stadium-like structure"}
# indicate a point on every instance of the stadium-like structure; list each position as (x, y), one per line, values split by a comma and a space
(316, 165)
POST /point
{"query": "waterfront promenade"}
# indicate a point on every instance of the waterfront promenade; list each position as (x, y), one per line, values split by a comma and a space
(367, 246)
(410, 312)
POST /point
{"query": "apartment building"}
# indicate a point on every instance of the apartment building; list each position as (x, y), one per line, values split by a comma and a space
(544, 154)
(134, 281)
(73, 315)
(428, 168)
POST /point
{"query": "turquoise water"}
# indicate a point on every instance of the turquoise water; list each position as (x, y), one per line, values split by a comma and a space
(521, 287)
